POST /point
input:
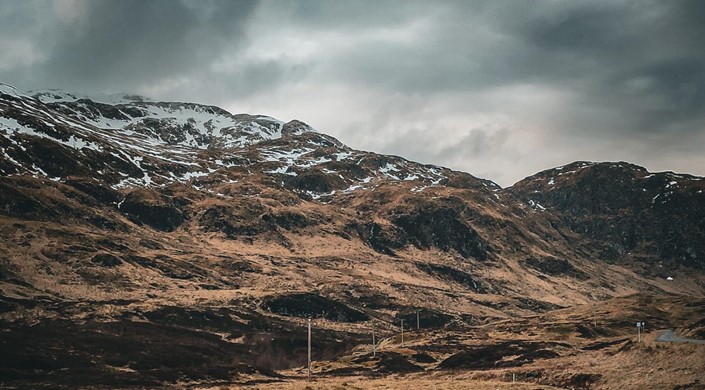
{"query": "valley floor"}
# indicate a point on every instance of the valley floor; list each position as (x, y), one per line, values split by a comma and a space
(396, 382)
(582, 347)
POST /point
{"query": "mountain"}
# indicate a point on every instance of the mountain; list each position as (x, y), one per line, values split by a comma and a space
(151, 242)
(629, 213)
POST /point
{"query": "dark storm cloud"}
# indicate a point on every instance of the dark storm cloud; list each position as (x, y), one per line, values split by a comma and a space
(638, 57)
(114, 39)
(566, 76)
(122, 45)
(643, 60)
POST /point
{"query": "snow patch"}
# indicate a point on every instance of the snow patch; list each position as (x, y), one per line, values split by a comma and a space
(342, 156)
(281, 171)
(536, 205)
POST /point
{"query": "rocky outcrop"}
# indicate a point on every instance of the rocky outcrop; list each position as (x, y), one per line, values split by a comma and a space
(554, 267)
(382, 238)
(143, 206)
(106, 260)
(624, 209)
(295, 127)
(307, 305)
(441, 225)
(95, 188)
(240, 219)
(315, 181)
(15, 202)
(451, 274)
(494, 356)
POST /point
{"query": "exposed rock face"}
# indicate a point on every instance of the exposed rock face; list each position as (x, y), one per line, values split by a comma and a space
(430, 224)
(244, 219)
(488, 357)
(106, 260)
(392, 362)
(313, 306)
(295, 127)
(625, 209)
(152, 209)
(382, 238)
(96, 189)
(453, 275)
(288, 220)
(316, 181)
(16, 203)
(553, 266)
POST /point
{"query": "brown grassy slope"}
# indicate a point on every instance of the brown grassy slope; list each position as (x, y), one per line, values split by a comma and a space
(87, 267)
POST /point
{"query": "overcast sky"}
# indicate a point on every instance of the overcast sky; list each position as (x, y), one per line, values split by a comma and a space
(500, 89)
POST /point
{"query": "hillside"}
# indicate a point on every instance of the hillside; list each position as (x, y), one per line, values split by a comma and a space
(148, 243)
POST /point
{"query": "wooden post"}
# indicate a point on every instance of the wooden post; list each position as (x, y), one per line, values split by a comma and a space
(374, 343)
(417, 320)
(309, 350)
(402, 332)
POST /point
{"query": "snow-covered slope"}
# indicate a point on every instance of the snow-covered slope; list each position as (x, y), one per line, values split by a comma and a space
(184, 124)
(127, 140)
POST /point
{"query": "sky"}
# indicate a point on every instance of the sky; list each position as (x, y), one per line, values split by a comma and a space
(499, 89)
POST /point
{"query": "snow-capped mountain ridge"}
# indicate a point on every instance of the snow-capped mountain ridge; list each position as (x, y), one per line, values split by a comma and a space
(133, 141)
(620, 210)
(61, 96)
(188, 124)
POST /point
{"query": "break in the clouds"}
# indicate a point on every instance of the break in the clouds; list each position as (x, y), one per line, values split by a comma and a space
(500, 89)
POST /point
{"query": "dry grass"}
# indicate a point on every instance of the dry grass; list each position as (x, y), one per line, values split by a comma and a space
(349, 271)
(449, 382)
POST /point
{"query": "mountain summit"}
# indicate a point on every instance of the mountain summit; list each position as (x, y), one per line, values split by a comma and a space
(184, 230)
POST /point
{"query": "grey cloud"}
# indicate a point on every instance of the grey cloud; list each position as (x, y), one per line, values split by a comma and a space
(348, 16)
(483, 152)
(627, 69)
(588, 48)
(663, 96)
(247, 79)
(143, 39)
(125, 45)
(467, 149)
(18, 16)
(476, 143)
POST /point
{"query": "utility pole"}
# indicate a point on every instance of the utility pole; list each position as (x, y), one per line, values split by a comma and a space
(402, 332)
(374, 343)
(309, 350)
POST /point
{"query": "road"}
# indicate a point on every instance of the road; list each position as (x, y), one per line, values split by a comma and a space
(669, 336)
